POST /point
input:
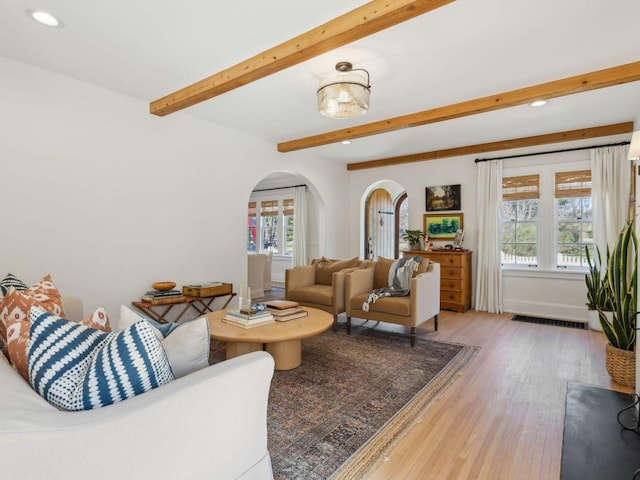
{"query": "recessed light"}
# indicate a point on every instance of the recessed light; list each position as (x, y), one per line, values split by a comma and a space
(45, 18)
(346, 142)
(538, 103)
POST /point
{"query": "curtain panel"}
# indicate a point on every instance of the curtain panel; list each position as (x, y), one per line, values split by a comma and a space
(489, 269)
(610, 189)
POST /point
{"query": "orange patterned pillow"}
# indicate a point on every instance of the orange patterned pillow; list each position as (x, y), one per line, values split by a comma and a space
(18, 337)
(16, 304)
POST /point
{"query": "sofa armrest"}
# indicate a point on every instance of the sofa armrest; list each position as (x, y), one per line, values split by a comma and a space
(425, 294)
(300, 276)
(357, 282)
(209, 424)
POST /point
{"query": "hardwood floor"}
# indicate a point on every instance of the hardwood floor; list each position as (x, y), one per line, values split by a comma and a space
(503, 417)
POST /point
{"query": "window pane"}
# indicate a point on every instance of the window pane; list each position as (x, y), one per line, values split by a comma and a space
(571, 256)
(251, 234)
(520, 232)
(526, 210)
(288, 248)
(569, 208)
(573, 231)
(569, 232)
(587, 232)
(527, 232)
(587, 209)
(270, 234)
(509, 233)
(527, 254)
(509, 211)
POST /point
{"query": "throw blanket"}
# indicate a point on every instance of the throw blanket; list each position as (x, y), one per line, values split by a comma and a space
(400, 274)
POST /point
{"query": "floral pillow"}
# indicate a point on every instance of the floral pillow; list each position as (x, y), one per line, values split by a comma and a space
(16, 305)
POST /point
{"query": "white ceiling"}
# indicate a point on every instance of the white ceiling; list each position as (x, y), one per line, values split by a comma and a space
(468, 49)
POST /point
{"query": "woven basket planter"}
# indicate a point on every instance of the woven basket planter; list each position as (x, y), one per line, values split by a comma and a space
(621, 365)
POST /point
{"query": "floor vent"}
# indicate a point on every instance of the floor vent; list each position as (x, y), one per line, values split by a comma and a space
(550, 321)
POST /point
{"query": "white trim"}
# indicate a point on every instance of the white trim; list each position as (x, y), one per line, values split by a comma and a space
(547, 310)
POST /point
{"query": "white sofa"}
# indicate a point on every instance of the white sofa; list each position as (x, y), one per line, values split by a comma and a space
(211, 424)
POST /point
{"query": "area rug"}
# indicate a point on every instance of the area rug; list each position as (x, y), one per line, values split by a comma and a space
(339, 413)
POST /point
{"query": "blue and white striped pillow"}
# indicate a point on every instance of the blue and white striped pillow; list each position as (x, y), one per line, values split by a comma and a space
(79, 368)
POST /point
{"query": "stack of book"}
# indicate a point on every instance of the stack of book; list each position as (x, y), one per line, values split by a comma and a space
(284, 310)
(163, 297)
(248, 317)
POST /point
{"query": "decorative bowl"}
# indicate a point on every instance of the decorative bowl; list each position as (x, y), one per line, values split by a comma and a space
(163, 285)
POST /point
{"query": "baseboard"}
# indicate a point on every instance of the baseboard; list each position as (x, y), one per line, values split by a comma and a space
(546, 310)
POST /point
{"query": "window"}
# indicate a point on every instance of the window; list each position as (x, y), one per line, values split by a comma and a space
(574, 230)
(251, 228)
(287, 213)
(270, 226)
(520, 220)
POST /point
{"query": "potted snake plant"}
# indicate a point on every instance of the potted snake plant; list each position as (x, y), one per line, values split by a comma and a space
(622, 273)
(598, 290)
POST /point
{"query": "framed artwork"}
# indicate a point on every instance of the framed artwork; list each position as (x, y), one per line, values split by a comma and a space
(443, 197)
(443, 226)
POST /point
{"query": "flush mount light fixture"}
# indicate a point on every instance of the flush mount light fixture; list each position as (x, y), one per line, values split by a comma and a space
(344, 94)
(538, 103)
(45, 18)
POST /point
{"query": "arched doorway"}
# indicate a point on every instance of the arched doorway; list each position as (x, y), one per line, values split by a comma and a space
(385, 218)
(272, 215)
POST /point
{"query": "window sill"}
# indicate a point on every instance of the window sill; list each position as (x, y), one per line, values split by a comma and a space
(544, 273)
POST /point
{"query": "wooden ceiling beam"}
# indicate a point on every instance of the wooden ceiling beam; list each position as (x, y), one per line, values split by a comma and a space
(558, 88)
(361, 22)
(558, 137)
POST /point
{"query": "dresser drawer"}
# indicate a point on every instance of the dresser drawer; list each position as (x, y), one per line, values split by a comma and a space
(450, 297)
(447, 273)
(448, 260)
(450, 285)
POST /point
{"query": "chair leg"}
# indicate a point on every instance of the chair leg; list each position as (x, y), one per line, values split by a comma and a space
(436, 322)
(413, 336)
(348, 325)
(335, 323)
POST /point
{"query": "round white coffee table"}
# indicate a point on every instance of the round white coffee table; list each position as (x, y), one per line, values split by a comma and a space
(283, 340)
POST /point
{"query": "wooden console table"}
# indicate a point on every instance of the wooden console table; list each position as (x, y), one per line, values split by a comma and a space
(455, 277)
(201, 305)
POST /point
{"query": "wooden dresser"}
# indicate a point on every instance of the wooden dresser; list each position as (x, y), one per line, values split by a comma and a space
(455, 277)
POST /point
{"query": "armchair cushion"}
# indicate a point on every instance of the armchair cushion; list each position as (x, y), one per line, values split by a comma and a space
(320, 294)
(326, 268)
(391, 305)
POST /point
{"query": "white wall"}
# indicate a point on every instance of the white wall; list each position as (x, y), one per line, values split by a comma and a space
(108, 198)
(544, 292)
(415, 177)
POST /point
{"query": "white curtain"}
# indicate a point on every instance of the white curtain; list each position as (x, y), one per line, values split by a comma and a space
(489, 269)
(300, 226)
(610, 189)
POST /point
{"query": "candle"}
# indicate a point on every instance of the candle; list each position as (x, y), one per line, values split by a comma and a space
(240, 296)
(248, 295)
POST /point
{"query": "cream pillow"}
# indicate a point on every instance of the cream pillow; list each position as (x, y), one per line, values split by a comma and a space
(186, 344)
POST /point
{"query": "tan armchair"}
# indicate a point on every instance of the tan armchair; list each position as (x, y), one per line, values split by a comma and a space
(321, 284)
(422, 303)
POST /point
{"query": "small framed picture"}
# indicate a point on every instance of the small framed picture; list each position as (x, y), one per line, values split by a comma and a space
(443, 226)
(443, 197)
